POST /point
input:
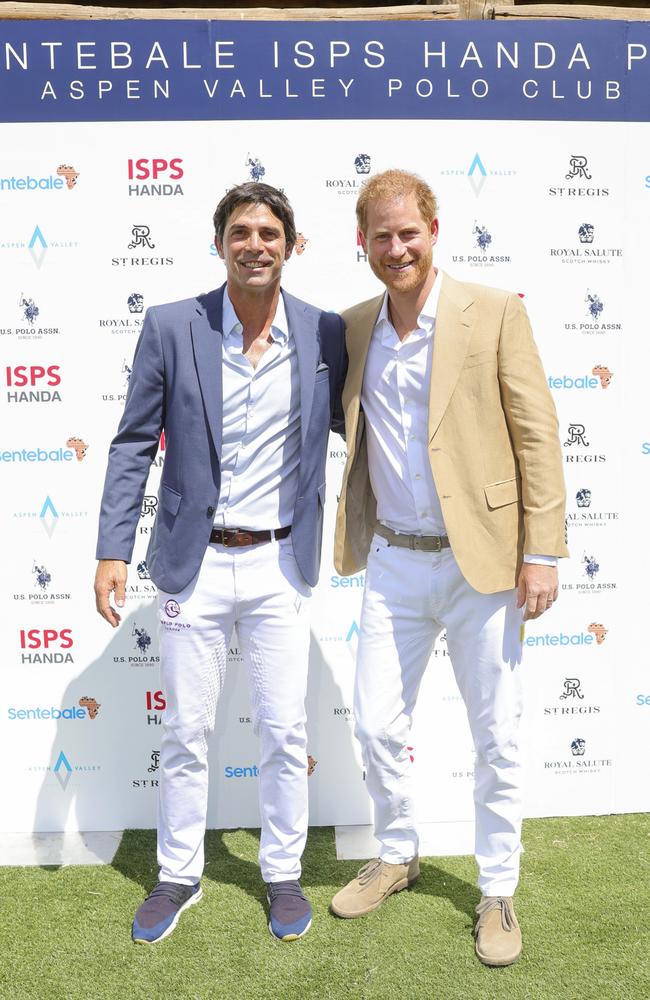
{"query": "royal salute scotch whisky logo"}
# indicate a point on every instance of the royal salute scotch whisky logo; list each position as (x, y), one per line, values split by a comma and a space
(127, 322)
(583, 516)
(351, 183)
(586, 248)
(576, 762)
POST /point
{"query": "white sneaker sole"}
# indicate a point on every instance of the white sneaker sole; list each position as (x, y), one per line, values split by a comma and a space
(190, 902)
(289, 937)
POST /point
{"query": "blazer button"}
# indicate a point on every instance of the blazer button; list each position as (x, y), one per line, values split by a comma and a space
(210, 511)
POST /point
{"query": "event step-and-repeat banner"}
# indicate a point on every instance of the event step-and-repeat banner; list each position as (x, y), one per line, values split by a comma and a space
(119, 139)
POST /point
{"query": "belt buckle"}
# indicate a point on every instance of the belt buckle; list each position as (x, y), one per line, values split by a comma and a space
(437, 543)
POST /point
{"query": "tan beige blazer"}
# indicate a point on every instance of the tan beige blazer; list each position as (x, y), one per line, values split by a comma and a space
(493, 438)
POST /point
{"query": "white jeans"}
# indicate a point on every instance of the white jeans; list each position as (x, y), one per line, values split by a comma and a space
(259, 589)
(409, 597)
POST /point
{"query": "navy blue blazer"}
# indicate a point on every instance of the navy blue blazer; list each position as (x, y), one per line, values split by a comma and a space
(176, 385)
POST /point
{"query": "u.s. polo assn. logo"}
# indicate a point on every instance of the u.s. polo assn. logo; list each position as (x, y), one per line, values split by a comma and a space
(483, 254)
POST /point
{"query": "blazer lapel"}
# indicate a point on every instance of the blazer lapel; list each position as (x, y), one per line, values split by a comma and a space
(358, 336)
(454, 323)
(305, 336)
(207, 336)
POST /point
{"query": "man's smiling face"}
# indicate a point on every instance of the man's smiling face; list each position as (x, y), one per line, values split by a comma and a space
(399, 243)
(254, 248)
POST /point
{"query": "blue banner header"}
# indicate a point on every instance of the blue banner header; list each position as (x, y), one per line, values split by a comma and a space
(233, 70)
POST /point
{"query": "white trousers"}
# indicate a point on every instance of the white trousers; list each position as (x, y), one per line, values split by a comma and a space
(409, 597)
(259, 589)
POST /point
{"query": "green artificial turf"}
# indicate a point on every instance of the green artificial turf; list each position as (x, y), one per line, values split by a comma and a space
(583, 904)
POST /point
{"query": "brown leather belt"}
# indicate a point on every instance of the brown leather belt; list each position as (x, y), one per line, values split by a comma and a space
(232, 537)
(425, 543)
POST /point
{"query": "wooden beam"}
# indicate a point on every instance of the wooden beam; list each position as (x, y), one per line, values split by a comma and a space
(566, 11)
(68, 11)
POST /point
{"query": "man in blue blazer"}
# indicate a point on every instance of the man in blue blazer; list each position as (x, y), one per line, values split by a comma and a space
(246, 383)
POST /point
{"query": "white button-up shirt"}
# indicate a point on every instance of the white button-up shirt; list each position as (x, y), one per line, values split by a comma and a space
(395, 400)
(261, 428)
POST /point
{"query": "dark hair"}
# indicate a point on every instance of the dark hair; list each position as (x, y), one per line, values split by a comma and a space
(255, 193)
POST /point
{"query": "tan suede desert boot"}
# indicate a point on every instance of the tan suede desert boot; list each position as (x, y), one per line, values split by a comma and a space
(497, 933)
(374, 882)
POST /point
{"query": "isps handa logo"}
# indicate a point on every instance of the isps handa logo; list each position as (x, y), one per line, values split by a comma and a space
(155, 177)
(41, 646)
(486, 250)
(33, 383)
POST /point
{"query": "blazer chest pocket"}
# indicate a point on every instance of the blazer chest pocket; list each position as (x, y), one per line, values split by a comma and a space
(503, 493)
(170, 499)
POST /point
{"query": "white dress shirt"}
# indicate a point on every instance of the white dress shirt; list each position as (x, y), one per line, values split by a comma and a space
(261, 428)
(395, 400)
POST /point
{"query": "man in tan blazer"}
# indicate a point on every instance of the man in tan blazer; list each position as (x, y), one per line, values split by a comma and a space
(453, 497)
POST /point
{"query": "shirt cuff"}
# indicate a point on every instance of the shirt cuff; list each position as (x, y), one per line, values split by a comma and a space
(541, 560)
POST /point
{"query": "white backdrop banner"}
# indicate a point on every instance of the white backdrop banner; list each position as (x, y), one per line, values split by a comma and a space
(118, 140)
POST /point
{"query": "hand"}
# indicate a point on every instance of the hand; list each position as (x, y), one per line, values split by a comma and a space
(110, 576)
(537, 588)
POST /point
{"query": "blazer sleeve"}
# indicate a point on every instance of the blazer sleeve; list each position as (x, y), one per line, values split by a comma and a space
(533, 426)
(134, 447)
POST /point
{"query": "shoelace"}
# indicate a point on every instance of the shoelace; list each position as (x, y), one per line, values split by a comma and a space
(284, 889)
(493, 903)
(368, 873)
(171, 890)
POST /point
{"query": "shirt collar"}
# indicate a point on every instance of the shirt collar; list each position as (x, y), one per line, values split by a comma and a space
(426, 319)
(231, 324)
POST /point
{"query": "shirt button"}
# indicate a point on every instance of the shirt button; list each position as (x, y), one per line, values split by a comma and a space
(418, 476)
(210, 511)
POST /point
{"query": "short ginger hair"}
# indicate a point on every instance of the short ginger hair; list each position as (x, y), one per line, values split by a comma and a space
(391, 185)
